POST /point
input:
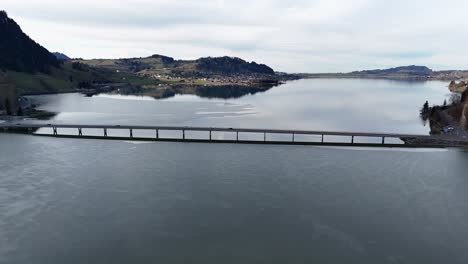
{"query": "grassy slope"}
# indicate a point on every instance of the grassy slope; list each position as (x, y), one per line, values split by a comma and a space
(58, 80)
(143, 66)
(38, 83)
(150, 71)
(7, 91)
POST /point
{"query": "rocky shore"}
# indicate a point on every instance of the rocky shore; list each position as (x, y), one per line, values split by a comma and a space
(448, 122)
(439, 140)
(458, 87)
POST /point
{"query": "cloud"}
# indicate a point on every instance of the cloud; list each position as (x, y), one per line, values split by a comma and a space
(290, 35)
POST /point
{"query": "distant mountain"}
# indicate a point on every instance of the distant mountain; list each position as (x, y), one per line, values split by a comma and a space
(404, 70)
(411, 72)
(232, 66)
(18, 52)
(61, 56)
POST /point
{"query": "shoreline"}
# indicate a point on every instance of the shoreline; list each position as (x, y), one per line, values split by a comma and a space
(371, 77)
(446, 139)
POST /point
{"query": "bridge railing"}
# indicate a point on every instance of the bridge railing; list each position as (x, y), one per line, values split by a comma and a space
(292, 136)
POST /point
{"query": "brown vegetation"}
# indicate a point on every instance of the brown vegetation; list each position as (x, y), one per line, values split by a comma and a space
(454, 115)
(460, 87)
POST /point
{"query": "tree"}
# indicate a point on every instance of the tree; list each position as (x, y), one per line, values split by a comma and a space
(425, 108)
(464, 96)
(20, 111)
(84, 85)
(7, 106)
(79, 66)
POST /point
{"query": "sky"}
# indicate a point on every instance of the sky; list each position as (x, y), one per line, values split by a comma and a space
(288, 35)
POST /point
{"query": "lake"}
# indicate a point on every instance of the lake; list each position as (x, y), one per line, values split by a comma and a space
(92, 201)
(320, 104)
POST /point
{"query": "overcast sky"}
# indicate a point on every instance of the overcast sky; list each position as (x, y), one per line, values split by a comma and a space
(289, 35)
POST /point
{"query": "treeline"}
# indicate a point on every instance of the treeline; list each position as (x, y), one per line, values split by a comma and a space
(232, 66)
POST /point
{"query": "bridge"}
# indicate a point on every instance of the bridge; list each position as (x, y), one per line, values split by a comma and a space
(228, 135)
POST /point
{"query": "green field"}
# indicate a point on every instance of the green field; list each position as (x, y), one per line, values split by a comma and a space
(63, 79)
(150, 66)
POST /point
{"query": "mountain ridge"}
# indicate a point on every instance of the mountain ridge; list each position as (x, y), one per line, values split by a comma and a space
(410, 70)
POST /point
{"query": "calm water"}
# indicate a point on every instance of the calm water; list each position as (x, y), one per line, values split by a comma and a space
(84, 201)
(350, 104)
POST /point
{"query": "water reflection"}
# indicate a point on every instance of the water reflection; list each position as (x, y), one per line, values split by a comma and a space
(206, 91)
(321, 104)
(229, 92)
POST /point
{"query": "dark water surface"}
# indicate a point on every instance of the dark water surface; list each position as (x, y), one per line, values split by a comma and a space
(80, 201)
(85, 201)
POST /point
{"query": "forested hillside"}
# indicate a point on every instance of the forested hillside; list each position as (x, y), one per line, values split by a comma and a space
(18, 52)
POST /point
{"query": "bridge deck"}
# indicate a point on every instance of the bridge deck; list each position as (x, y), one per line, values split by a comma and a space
(292, 134)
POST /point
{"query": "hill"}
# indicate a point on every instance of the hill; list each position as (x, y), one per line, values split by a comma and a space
(159, 65)
(67, 78)
(18, 52)
(232, 66)
(28, 68)
(412, 70)
(398, 73)
(61, 56)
